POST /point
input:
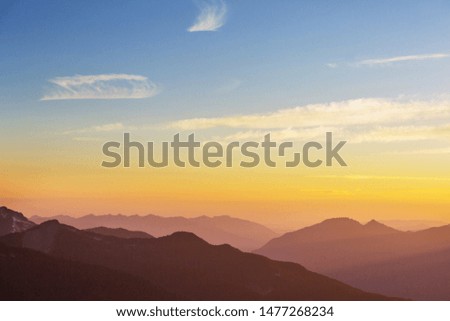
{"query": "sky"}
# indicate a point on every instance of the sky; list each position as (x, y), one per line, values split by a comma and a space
(75, 74)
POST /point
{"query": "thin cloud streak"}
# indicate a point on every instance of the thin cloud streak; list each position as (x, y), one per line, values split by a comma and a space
(102, 86)
(97, 129)
(211, 18)
(384, 61)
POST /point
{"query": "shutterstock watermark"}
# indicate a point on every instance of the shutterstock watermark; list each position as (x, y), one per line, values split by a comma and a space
(214, 154)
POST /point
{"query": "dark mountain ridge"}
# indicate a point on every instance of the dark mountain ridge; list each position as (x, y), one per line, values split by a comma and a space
(120, 232)
(187, 266)
(29, 275)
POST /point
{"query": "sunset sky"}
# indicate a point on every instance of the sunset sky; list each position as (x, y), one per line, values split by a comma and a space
(76, 74)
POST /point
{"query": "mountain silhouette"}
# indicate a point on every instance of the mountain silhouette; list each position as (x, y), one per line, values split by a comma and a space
(29, 275)
(186, 265)
(242, 234)
(120, 232)
(366, 255)
(12, 221)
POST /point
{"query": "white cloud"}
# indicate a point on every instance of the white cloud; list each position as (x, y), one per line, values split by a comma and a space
(358, 120)
(211, 18)
(103, 86)
(97, 129)
(390, 60)
(344, 113)
(279, 134)
(403, 133)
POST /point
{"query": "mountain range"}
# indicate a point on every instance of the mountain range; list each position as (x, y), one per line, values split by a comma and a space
(372, 257)
(242, 234)
(179, 265)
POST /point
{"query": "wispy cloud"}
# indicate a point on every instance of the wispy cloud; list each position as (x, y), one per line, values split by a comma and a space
(366, 111)
(212, 16)
(278, 134)
(358, 120)
(390, 60)
(388, 134)
(97, 129)
(103, 86)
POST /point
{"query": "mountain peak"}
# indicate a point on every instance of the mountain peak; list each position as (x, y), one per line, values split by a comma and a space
(12, 221)
(374, 223)
(185, 237)
(376, 226)
(54, 225)
(340, 221)
(51, 222)
(6, 212)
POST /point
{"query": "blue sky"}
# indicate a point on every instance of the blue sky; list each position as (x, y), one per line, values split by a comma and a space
(267, 55)
(74, 74)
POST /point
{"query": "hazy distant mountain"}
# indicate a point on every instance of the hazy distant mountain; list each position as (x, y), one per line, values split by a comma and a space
(186, 265)
(120, 232)
(239, 233)
(413, 225)
(424, 276)
(366, 255)
(12, 222)
(29, 275)
(329, 245)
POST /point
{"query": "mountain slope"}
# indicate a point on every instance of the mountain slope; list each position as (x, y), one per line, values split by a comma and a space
(12, 221)
(186, 265)
(424, 276)
(365, 256)
(239, 233)
(29, 275)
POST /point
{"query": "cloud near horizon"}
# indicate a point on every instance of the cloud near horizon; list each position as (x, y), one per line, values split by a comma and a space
(102, 86)
(212, 16)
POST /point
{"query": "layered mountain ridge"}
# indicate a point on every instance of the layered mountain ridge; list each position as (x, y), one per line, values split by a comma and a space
(186, 265)
(371, 256)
